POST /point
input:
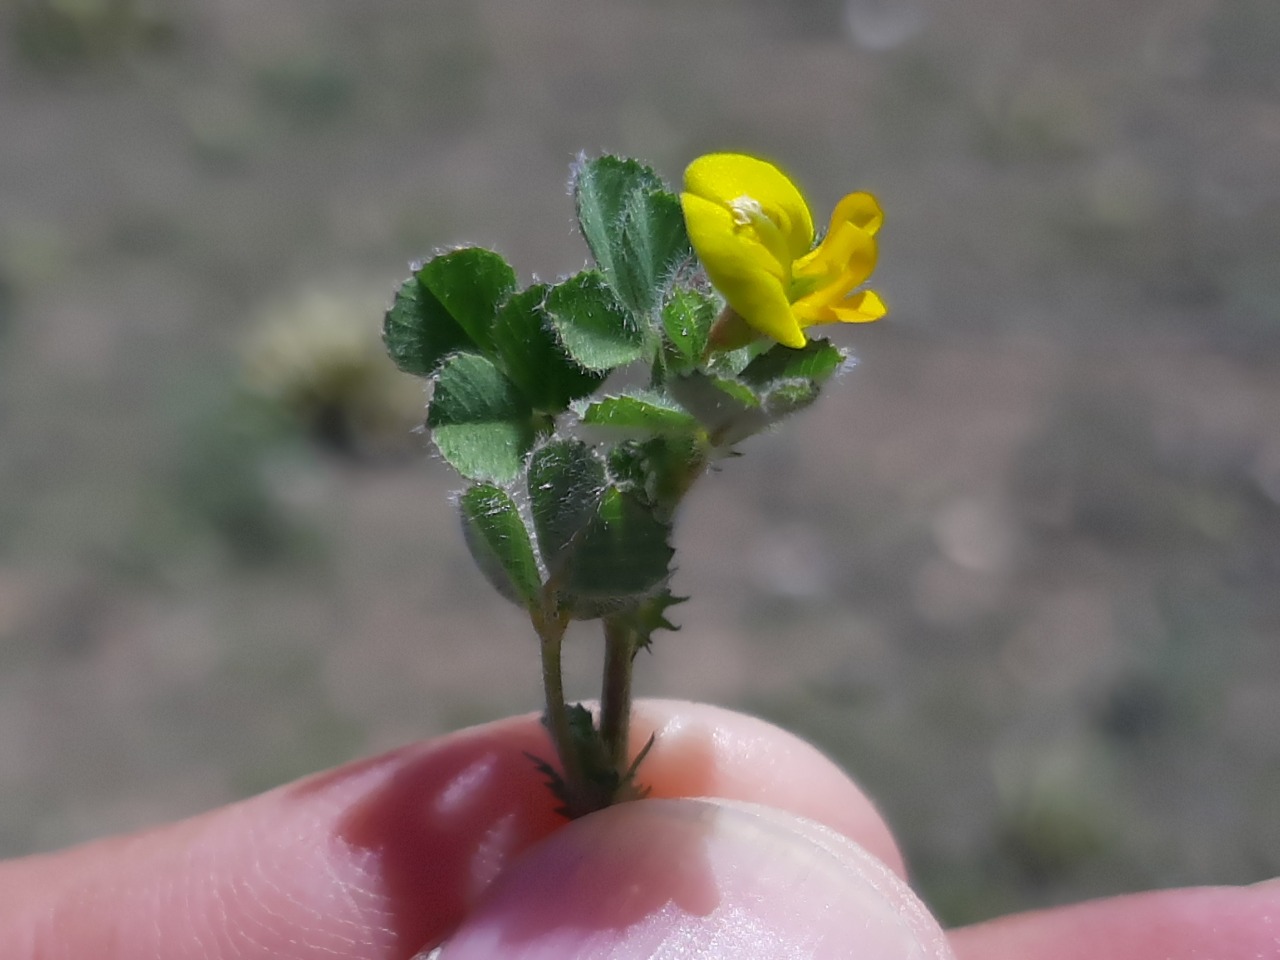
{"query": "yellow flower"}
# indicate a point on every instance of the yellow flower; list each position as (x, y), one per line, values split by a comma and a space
(753, 232)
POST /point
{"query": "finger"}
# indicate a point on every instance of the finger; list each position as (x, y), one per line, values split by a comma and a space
(379, 858)
(1225, 923)
(705, 751)
(698, 878)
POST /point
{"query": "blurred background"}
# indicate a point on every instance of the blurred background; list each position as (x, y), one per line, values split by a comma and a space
(1018, 571)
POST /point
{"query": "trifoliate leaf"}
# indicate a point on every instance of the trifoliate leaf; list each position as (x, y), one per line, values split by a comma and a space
(634, 227)
(470, 284)
(788, 397)
(728, 409)
(817, 360)
(660, 469)
(419, 332)
(532, 355)
(687, 318)
(640, 412)
(498, 540)
(623, 552)
(566, 481)
(447, 305)
(652, 243)
(479, 420)
(592, 325)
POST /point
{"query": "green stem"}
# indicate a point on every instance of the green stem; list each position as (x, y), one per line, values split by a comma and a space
(551, 632)
(615, 691)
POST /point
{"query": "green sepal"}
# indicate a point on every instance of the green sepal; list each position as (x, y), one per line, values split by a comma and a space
(479, 420)
(499, 542)
(447, 305)
(634, 227)
(641, 412)
(566, 482)
(594, 327)
(532, 355)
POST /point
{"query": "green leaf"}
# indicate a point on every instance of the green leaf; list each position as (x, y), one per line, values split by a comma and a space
(470, 284)
(478, 419)
(566, 481)
(790, 396)
(817, 360)
(660, 469)
(713, 399)
(728, 409)
(643, 412)
(533, 357)
(634, 227)
(447, 305)
(418, 331)
(687, 319)
(773, 385)
(499, 542)
(593, 327)
(623, 552)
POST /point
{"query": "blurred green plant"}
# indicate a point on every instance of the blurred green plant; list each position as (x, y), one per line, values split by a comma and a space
(312, 362)
(573, 490)
(60, 35)
(309, 89)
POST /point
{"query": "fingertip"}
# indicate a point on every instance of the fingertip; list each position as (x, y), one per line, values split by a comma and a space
(724, 880)
(706, 751)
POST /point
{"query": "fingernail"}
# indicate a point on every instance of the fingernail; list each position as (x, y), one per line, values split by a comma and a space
(683, 878)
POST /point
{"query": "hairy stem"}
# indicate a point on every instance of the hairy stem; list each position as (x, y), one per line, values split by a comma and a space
(615, 690)
(551, 632)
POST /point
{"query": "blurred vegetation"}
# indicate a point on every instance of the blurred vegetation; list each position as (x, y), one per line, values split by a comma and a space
(62, 35)
(317, 362)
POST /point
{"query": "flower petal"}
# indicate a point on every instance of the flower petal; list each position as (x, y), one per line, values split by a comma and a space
(727, 177)
(761, 301)
(833, 305)
(716, 239)
(862, 307)
(860, 209)
(742, 269)
(847, 254)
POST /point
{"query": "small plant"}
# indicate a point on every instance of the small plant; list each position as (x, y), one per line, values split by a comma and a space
(709, 298)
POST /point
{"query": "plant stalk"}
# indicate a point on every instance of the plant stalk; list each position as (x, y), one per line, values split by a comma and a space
(551, 632)
(615, 691)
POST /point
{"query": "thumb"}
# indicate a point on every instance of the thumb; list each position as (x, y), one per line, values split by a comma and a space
(705, 878)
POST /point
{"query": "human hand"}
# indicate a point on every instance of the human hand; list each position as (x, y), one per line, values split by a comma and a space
(781, 856)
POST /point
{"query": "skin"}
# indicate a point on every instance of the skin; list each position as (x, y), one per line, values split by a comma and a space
(780, 854)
